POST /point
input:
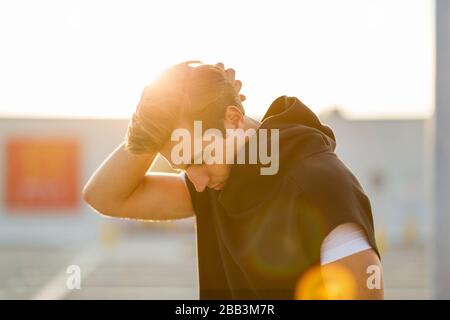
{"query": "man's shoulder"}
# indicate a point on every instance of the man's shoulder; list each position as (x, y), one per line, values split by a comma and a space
(322, 172)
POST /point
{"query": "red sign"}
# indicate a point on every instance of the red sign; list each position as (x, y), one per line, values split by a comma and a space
(42, 173)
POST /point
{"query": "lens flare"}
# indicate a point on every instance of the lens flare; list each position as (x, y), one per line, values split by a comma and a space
(330, 282)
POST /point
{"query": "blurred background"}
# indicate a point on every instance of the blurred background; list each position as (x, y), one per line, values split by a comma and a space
(71, 74)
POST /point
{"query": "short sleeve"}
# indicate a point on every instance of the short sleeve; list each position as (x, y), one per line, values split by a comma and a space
(335, 195)
(343, 241)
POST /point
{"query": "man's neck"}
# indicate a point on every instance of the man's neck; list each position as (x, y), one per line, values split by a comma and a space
(250, 123)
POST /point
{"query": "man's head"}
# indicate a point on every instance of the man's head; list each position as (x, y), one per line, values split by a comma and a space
(183, 94)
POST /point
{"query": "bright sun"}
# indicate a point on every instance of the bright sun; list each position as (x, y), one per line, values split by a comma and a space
(86, 58)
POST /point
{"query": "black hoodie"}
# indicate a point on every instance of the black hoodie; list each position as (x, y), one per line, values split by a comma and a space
(261, 233)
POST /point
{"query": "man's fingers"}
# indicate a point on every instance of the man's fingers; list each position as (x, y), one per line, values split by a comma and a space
(231, 74)
(238, 85)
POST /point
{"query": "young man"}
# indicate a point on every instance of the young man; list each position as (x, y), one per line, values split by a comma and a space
(302, 230)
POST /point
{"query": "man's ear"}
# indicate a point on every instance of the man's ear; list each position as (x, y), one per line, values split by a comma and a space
(234, 118)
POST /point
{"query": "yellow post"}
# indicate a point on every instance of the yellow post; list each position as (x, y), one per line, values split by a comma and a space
(410, 232)
(381, 238)
(108, 233)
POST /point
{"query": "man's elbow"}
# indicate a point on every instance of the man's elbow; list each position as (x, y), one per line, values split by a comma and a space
(89, 195)
(97, 202)
(86, 194)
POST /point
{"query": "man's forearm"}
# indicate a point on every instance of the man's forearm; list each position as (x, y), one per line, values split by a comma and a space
(116, 178)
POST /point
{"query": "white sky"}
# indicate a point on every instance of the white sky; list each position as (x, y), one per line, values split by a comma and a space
(374, 58)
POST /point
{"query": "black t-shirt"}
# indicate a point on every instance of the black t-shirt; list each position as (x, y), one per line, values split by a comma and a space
(261, 233)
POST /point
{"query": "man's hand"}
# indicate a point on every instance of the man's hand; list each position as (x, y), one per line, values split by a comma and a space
(231, 73)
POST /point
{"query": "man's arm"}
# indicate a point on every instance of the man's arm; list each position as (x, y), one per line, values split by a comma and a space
(355, 276)
(121, 187)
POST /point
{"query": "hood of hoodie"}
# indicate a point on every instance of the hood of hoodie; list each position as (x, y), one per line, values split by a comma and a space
(301, 134)
(290, 111)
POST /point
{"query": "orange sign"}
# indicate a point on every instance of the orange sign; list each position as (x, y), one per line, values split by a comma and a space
(42, 173)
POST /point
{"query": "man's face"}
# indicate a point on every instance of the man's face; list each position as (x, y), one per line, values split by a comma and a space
(212, 174)
(202, 175)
